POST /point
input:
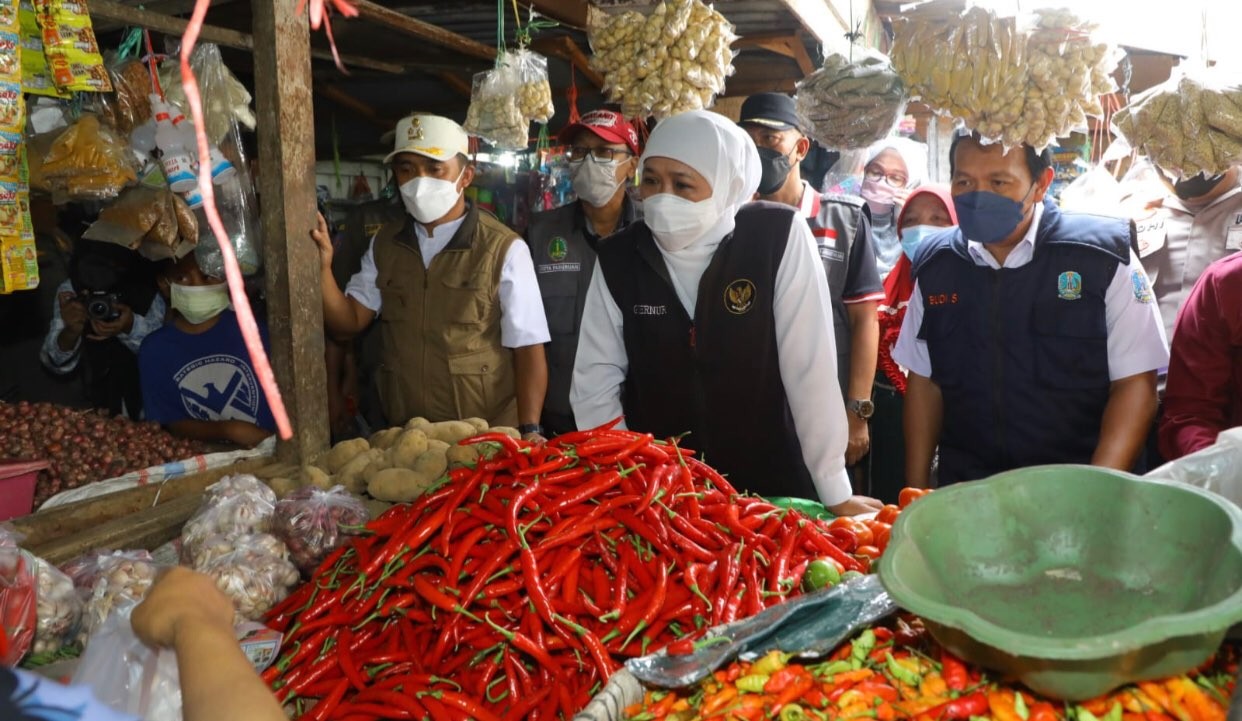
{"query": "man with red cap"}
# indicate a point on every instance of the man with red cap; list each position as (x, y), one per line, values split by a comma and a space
(602, 149)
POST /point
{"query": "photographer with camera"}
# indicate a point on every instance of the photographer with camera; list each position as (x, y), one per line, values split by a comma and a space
(102, 313)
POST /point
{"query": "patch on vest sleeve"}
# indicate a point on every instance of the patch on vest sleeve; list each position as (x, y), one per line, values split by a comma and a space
(1142, 289)
(739, 296)
(1069, 285)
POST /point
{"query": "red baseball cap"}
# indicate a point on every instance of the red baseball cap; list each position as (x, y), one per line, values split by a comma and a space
(607, 124)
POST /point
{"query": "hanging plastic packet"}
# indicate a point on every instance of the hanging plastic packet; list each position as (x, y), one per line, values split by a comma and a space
(87, 161)
(36, 73)
(852, 103)
(10, 156)
(9, 20)
(494, 114)
(237, 204)
(225, 100)
(534, 92)
(10, 55)
(12, 107)
(70, 46)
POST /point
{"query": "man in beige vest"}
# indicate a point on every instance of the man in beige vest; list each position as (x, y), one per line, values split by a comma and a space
(462, 325)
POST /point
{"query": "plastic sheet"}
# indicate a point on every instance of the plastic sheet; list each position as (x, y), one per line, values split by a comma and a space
(1190, 124)
(808, 626)
(313, 523)
(128, 676)
(1217, 468)
(852, 104)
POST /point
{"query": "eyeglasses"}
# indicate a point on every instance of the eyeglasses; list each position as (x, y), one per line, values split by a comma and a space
(896, 180)
(578, 153)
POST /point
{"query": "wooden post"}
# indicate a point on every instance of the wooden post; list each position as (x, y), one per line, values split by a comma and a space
(287, 182)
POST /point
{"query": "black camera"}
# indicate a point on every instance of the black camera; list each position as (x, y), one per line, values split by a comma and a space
(101, 306)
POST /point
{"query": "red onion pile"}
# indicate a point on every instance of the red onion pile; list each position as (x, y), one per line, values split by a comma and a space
(83, 446)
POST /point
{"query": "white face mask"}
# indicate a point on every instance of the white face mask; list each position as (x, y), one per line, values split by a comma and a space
(596, 182)
(676, 222)
(199, 303)
(429, 199)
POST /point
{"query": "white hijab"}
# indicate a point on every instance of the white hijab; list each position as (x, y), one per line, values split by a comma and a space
(726, 157)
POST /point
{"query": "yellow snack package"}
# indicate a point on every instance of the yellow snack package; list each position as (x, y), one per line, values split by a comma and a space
(8, 15)
(70, 47)
(10, 55)
(19, 265)
(12, 107)
(10, 156)
(36, 74)
(10, 211)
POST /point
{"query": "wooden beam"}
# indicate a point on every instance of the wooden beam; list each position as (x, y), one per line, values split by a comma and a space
(750, 86)
(822, 19)
(456, 83)
(785, 44)
(414, 27)
(287, 149)
(126, 15)
(367, 112)
(800, 55)
(564, 47)
(572, 13)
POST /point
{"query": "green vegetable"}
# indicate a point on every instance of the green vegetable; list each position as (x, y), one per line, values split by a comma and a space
(863, 646)
(902, 673)
(792, 712)
(820, 574)
(770, 664)
(831, 669)
(850, 576)
(752, 683)
(1019, 706)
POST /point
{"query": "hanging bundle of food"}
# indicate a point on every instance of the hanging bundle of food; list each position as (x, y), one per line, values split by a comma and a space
(1010, 83)
(673, 60)
(852, 103)
(1190, 124)
(494, 114)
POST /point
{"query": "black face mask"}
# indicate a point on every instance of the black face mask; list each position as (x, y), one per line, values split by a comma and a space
(776, 169)
(1197, 186)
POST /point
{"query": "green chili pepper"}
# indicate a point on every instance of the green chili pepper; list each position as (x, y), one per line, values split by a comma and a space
(752, 683)
(821, 573)
(903, 674)
(792, 712)
(1115, 713)
(1085, 715)
(863, 645)
(831, 669)
(1019, 707)
(770, 664)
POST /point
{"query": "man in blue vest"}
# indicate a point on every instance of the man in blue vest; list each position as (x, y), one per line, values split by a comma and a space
(1032, 336)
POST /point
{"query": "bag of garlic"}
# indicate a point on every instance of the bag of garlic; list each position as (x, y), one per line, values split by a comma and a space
(107, 581)
(1014, 81)
(534, 93)
(58, 610)
(1189, 124)
(246, 511)
(253, 570)
(673, 60)
(494, 114)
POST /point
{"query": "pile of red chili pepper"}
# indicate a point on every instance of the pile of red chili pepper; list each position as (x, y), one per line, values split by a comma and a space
(897, 673)
(529, 578)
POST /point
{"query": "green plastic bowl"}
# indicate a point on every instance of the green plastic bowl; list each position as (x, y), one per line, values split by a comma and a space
(1075, 580)
(808, 508)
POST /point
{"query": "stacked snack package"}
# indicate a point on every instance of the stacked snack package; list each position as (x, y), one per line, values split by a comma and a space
(70, 47)
(36, 73)
(19, 268)
(228, 540)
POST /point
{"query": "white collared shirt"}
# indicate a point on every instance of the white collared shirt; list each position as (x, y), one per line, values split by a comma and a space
(522, 319)
(1136, 338)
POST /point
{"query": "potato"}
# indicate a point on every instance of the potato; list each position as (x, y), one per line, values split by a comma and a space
(342, 453)
(283, 486)
(418, 424)
(376, 508)
(409, 446)
(351, 474)
(433, 463)
(451, 431)
(316, 477)
(439, 446)
(385, 438)
(463, 455)
(506, 430)
(400, 485)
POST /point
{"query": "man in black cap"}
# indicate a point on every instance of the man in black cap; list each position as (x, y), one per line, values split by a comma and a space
(842, 229)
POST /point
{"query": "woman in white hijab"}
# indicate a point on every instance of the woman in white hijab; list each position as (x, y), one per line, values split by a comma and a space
(712, 316)
(895, 166)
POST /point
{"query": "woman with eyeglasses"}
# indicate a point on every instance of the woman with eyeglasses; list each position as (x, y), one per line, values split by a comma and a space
(894, 167)
(603, 154)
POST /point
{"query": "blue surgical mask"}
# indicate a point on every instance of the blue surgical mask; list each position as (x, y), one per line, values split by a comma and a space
(913, 237)
(987, 217)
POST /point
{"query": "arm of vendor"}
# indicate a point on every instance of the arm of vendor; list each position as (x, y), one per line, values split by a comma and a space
(196, 375)
(432, 179)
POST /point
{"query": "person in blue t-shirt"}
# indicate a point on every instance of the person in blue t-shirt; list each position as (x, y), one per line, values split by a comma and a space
(196, 376)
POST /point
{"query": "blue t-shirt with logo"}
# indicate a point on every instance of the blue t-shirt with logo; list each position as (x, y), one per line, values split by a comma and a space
(205, 377)
(24, 695)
